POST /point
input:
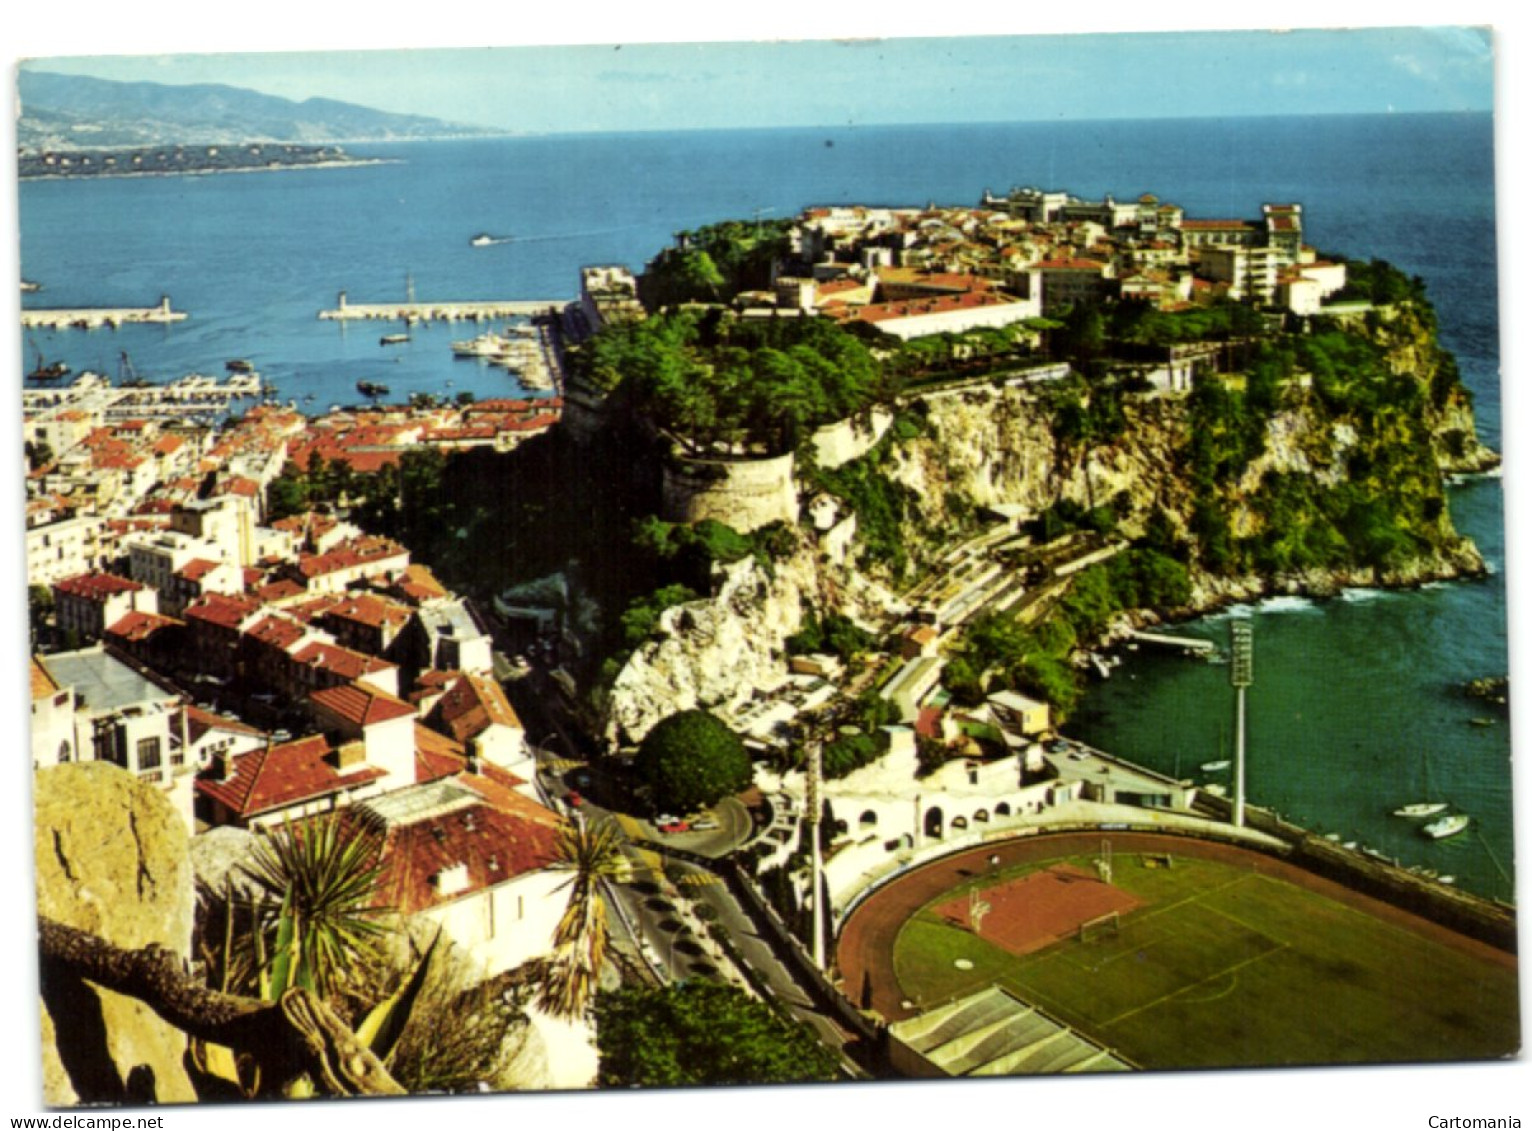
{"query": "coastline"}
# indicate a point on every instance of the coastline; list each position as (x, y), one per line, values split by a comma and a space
(280, 168)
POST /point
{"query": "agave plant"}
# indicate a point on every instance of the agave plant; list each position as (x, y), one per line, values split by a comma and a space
(321, 874)
(592, 853)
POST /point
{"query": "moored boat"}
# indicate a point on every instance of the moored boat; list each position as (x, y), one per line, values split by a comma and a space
(393, 339)
(1420, 809)
(371, 389)
(1215, 767)
(1446, 826)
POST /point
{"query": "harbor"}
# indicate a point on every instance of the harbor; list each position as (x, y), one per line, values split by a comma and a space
(100, 317)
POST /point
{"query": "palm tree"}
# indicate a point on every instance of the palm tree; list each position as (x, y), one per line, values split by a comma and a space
(593, 853)
(321, 874)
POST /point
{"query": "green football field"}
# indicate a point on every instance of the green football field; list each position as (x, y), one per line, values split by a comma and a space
(1224, 967)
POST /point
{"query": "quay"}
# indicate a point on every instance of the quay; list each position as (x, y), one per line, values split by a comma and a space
(411, 311)
(1182, 643)
(192, 396)
(95, 317)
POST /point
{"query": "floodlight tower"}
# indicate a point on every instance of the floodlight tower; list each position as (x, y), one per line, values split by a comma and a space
(816, 869)
(1241, 676)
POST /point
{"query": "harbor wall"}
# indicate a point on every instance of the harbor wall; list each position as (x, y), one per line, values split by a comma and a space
(1468, 914)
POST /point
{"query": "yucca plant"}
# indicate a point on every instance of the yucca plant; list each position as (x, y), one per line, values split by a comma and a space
(321, 874)
(592, 853)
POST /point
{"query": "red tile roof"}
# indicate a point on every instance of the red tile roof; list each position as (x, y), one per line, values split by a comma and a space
(97, 586)
(220, 608)
(197, 569)
(472, 705)
(278, 632)
(136, 627)
(362, 705)
(499, 837)
(275, 777)
(341, 661)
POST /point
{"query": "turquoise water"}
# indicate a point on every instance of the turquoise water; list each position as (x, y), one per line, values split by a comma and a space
(1355, 702)
(1356, 709)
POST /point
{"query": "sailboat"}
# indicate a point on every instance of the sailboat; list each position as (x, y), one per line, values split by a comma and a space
(1422, 808)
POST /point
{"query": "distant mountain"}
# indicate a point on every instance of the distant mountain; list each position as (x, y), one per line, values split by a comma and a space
(76, 112)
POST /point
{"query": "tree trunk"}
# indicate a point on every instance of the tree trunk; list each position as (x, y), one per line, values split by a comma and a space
(289, 1040)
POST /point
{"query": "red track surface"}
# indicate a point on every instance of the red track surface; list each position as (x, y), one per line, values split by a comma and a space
(1029, 913)
(865, 949)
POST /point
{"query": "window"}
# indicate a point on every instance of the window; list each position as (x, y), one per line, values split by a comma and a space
(148, 754)
(65, 753)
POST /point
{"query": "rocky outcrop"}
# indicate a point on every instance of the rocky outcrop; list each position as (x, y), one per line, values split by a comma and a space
(720, 651)
(987, 446)
(112, 859)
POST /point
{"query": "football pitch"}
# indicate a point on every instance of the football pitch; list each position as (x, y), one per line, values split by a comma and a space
(1213, 963)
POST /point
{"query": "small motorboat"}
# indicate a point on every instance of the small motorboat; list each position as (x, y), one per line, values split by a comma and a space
(1447, 826)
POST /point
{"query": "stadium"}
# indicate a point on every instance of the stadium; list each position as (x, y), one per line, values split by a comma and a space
(1108, 950)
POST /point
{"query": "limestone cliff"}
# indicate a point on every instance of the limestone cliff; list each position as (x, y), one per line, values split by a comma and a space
(985, 445)
(112, 859)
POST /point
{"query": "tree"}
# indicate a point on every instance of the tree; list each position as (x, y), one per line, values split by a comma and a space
(296, 1045)
(702, 1033)
(692, 759)
(321, 874)
(592, 853)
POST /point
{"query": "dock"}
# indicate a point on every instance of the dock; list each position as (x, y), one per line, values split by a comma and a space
(1181, 643)
(96, 317)
(467, 311)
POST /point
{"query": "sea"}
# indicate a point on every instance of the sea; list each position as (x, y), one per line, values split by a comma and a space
(1356, 706)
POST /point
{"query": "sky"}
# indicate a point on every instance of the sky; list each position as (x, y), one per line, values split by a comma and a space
(772, 76)
(638, 86)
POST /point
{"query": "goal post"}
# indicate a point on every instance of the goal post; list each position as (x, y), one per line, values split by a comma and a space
(1102, 926)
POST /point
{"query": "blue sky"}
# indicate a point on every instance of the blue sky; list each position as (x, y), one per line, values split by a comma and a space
(868, 81)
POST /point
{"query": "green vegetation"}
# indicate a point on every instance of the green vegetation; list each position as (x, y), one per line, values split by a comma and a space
(714, 380)
(839, 635)
(591, 853)
(1223, 967)
(318, 921)
(881, 505)
(691, 760)
(1378, 282)
(716, 262)
(702, 1033)
(998, 652)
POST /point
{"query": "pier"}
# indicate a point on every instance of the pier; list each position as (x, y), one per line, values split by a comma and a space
(411, 311)
(1189, 644)
(96, 317)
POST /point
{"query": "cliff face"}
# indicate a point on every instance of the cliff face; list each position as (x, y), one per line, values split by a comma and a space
(112, 859)
(720, 651)
(987, 446)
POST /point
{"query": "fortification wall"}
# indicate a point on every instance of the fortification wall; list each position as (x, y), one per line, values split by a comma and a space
(745, 493)
(850, 439)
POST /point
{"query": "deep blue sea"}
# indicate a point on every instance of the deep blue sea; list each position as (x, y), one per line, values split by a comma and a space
(1355, 708)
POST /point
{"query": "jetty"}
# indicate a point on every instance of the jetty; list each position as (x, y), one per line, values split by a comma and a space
(1181, 643)
(96, 317)
(410, 311)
